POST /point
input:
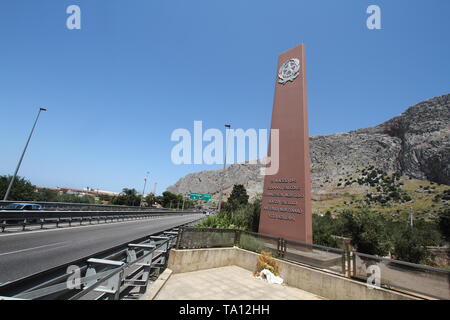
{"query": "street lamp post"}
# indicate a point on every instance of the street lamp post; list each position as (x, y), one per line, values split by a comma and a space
(21, 157)
(143, 190)
(227, 126)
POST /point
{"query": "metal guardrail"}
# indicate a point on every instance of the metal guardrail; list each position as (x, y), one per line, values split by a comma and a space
(109, 275)
(405, 276)
(396, 275)
(14, 219)
(58, 206)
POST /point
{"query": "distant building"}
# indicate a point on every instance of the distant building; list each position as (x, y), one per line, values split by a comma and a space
(82, 192)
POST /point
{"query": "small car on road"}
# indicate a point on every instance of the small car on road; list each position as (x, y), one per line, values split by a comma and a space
(22, 206)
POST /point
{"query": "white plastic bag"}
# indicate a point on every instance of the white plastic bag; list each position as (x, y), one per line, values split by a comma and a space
(270, 277)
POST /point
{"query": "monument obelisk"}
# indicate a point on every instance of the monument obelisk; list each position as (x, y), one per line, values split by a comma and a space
(286, 201)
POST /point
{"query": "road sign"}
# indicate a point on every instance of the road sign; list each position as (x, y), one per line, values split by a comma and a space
(206, 197)
(194, 196)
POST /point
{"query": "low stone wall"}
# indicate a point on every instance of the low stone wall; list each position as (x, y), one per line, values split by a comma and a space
(181, 261)
(314, 281)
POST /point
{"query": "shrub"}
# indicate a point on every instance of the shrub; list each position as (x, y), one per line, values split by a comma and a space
(429, 232)
(409, 246)
(323, 230)
(244, 217)
(368, 231)
(238, 197)
(265, 261)
(251, 243)
(444, 223)
(22, 189)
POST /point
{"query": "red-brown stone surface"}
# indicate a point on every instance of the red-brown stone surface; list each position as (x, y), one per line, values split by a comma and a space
(290, 117)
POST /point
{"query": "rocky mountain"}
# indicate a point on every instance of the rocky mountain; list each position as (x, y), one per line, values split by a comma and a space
(415, 144)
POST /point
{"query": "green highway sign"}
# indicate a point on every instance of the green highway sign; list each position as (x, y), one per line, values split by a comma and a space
(194, 196)
(206, 197)
(200, 196)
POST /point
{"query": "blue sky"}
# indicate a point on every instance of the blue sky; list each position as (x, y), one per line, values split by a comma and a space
(116, 89)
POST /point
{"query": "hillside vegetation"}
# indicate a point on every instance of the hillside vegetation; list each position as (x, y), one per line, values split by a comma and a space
(389, 194)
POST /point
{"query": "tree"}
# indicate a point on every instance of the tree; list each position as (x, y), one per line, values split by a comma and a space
(46, 195)
(105, 197)
(428, 232)
(238, 197)
(170, 200)
(409, 246)
(444, 223)
(255, 215)
(324, 227)
(189, 204)
(128, 197)
(367, 230)
(150, 199)
(73, 198)
(22, 189)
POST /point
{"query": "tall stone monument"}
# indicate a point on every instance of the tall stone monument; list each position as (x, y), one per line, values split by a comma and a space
(286, 201)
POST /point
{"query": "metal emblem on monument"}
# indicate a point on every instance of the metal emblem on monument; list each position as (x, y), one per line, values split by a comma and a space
(289, 71)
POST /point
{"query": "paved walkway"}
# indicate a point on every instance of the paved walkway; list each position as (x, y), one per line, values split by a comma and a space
(227, 283)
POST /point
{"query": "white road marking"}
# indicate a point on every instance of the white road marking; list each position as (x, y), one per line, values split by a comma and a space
(29, 249)
(31, 232)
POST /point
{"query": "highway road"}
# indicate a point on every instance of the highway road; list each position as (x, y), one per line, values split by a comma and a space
(26, 253)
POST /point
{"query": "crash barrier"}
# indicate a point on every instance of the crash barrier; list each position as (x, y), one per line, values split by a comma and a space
(14, 219)
(65, 206)
(117, 273)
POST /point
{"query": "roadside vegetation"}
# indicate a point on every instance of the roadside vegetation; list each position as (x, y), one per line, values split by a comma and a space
(374, 233)
(24, 191)
(375, 210)
(236, 213)
(369, 231)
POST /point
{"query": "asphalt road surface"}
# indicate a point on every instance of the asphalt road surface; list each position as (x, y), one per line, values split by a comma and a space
(25, 253)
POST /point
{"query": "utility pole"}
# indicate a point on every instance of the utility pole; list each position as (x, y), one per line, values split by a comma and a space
(227, 126)
(411, 218)
(21, 157)
(184, 198)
